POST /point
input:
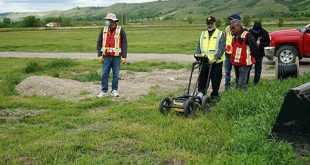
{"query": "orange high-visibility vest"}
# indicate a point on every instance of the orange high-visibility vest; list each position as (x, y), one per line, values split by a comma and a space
(111, 42)
(241, 54)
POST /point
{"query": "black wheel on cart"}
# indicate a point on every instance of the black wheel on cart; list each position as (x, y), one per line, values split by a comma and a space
(189, 107)
(164, 105)
(206, 104)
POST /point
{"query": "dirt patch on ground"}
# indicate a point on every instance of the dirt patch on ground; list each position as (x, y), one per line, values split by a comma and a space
(18, 114)
(132, 85)
(135, 84)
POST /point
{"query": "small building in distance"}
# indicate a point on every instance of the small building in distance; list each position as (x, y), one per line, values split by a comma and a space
(51, 25)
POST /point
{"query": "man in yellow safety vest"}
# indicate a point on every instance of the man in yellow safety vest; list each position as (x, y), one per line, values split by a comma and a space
(212, 44)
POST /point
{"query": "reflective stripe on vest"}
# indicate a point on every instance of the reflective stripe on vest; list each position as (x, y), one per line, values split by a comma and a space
(210, 47)
(229, 38)
(114, 49)
(248, 52)
(248, 56)
(238, 55)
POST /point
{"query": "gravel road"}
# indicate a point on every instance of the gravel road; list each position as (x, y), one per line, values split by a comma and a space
(132, 57)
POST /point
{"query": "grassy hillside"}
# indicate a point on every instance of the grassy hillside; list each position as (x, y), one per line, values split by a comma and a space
(182, 9)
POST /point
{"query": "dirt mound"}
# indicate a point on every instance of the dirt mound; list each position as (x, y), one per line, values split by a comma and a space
(132, 85)
(56, 87)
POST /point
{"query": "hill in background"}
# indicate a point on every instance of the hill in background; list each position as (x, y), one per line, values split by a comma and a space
(183, 10)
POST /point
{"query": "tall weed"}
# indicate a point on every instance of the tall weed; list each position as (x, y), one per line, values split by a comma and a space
(9, 83)
(89, 76)
(254, 112)
(33, 66)
(60, 63)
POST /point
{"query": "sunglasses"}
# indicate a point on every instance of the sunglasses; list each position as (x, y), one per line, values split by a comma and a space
(209, 23)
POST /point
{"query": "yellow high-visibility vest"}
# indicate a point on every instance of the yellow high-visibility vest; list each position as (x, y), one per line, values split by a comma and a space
(210, 47)
(229, 38)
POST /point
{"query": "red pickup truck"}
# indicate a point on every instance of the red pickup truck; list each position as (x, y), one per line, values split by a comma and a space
(286, 45)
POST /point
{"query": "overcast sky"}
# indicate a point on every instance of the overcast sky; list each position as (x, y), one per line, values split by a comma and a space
(47, 5)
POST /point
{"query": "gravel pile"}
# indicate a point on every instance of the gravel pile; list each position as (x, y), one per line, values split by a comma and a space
(132, 85)
(56, 87)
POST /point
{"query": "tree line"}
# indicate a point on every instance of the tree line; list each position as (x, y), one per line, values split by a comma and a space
(32, 21)
(246, 21)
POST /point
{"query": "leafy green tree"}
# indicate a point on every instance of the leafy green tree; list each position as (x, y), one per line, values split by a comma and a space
(247, 21)
(190, 19)
(219, 23)
(53, 19)
(226, 20)
(123, 19)
(31, 21)
(6, 22)
(281, 22)
(65, 22)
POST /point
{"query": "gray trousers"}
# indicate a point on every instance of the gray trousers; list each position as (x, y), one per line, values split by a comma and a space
(242, 76)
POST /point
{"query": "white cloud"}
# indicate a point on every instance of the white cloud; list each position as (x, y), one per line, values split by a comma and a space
(48, 5)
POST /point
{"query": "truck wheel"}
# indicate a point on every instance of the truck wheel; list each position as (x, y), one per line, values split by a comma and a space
(287, 54)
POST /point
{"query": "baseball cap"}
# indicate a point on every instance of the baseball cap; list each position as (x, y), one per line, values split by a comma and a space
(210, 19)
(235, 16)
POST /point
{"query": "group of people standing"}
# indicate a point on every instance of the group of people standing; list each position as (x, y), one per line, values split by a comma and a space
(237, 47)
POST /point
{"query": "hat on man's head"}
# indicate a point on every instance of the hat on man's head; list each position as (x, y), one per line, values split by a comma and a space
(235, 16)
(111, 16)
(210, 19)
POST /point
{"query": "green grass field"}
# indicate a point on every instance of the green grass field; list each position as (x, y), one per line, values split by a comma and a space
(108, 131)
(141, 39)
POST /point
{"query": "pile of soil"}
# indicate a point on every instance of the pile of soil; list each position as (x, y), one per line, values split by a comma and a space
(132, 85)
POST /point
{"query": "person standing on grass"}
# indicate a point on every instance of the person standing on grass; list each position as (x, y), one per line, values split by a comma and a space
(244, 52)
(112, 51)
(228, 51)
(212, 43)
(262, 40)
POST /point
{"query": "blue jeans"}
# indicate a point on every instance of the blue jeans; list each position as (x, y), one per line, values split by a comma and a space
(109, 63)
(228, 67)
